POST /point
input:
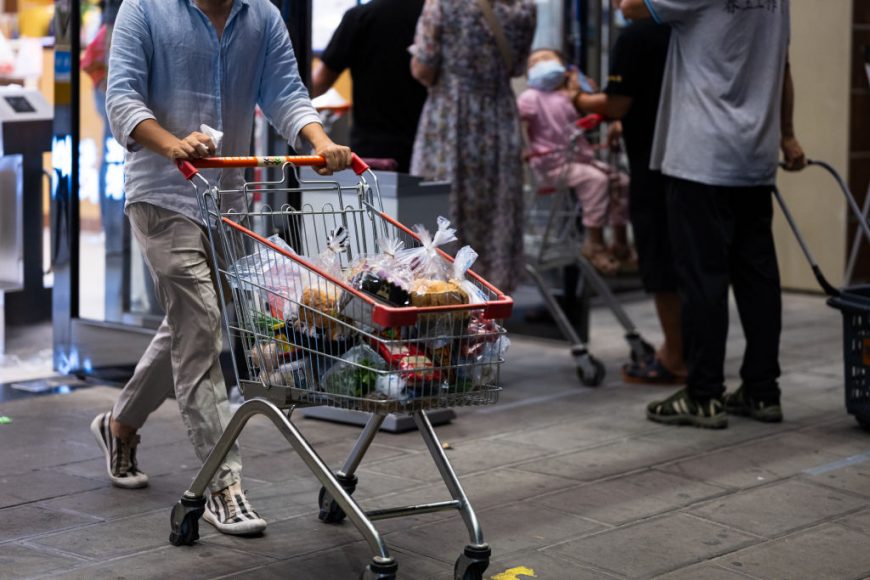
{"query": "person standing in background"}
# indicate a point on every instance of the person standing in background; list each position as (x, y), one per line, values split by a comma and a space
(465, 52)
(726, 109)
(372, 41)
(632, 94)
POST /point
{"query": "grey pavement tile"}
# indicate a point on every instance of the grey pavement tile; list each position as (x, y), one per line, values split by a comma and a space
(828, 551)
(706, 571)
(289, 538)
(757, 462)
(536, 564)
(287, 466)
(36, 485)
(195, 562)
(631, 497)
(85, 403)
(28, 520)
(109, 502)
(778, 508)
(653, 546)
(22, 561)
(854, 478)
(540, 526)
(466, 457)
(112, 539)
(298, 496)
(860, 522)
(484, 491)
(610, 459)
(348, 561)
(155, 460)
(578, 433)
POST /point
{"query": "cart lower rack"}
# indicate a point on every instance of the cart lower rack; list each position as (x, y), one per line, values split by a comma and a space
(310, 337)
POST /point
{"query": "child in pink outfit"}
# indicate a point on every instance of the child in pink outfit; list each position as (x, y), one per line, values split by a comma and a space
(549, 114)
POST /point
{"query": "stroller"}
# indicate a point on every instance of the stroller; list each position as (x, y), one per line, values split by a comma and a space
(553, 239)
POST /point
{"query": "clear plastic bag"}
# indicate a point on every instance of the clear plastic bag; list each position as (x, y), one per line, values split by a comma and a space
(465, 257)
(424, 261)
(356, 374)
(277, 279)
(320, 299)
(384, 276)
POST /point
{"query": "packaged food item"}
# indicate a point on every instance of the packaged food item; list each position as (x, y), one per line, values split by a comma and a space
(392, 386)
(296, 374)
(427, 292)
(418, 369)
(481, 368)
(272, 277)
(320, 299)
(267, 356)
(356, 374)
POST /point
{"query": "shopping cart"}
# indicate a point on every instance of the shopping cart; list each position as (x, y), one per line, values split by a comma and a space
(553, 238)
(853, 302)
(310, 338)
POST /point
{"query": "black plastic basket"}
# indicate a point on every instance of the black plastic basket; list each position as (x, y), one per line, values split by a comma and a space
(854, 303)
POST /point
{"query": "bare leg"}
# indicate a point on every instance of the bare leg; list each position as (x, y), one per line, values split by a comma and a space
(669, 311)
(121, 431)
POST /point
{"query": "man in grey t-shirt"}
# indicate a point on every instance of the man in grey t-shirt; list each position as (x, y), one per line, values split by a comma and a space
(726, 110)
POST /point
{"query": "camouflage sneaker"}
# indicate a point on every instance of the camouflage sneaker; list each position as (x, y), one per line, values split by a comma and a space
(739, 403)
(681, 409)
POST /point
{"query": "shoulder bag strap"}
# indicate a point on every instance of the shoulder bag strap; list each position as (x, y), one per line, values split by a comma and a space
(498, 32)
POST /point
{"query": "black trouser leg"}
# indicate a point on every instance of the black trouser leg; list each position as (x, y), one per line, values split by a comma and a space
(701, 227)
(755, 279)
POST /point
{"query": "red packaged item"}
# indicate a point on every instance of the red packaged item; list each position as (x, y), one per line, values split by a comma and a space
(418, 368)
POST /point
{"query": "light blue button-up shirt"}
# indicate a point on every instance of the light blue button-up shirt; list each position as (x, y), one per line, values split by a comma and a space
(167, 63)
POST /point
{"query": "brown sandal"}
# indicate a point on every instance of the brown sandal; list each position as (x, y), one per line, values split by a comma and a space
(627, 257)
(601, 259)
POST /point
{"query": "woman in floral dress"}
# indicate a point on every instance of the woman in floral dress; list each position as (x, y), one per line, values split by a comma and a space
(469, 130)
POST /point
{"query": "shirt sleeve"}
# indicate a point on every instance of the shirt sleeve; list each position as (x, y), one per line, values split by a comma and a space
(282, 95)
(526, 106)
(129, 62)
(427, 40)
(342, 46)
(623, 79)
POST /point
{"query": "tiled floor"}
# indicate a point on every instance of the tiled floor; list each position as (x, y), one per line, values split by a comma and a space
(569, 482)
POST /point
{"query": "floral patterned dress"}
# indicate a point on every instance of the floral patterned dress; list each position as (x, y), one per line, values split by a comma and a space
(469, 130)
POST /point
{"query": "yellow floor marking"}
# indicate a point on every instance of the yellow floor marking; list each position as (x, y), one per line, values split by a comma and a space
(515, 573)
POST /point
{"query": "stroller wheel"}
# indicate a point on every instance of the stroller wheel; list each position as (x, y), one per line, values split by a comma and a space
(590, 370)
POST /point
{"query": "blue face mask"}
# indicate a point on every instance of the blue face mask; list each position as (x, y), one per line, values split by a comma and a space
(547, 75)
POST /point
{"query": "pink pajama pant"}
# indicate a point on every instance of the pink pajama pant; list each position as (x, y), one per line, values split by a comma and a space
(602, 191)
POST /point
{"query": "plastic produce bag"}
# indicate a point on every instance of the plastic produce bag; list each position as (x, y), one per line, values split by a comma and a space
(384, 276)
(320, 298)
(356, 374)
(277, 278)
(425, 261)
(465, 257)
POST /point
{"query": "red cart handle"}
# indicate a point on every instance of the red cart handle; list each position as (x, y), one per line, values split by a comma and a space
(589, 122)
(189, 168)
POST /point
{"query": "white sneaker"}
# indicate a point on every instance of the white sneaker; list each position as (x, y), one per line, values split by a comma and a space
(228, 510)
(120, 455)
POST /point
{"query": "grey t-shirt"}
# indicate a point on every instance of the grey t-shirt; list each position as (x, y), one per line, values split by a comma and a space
(718, 120)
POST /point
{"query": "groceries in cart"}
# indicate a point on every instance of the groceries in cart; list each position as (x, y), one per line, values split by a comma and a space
(316, 330)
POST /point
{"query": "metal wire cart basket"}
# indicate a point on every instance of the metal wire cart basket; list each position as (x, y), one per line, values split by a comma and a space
(310, 330)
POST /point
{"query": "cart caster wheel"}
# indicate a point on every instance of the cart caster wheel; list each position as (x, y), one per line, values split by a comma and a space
(590, 370)
(472, 563)
(185, 521)
(864, 422)
(330, 511)
(641, 350)
(379, 570)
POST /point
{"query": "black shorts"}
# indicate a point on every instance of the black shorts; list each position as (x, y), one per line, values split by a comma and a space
(649, 219)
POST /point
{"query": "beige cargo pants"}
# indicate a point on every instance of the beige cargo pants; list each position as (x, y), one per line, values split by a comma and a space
(184, 353)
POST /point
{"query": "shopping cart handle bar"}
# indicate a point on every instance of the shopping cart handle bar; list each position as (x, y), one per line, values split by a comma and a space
(189, 168)
(589, 122)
